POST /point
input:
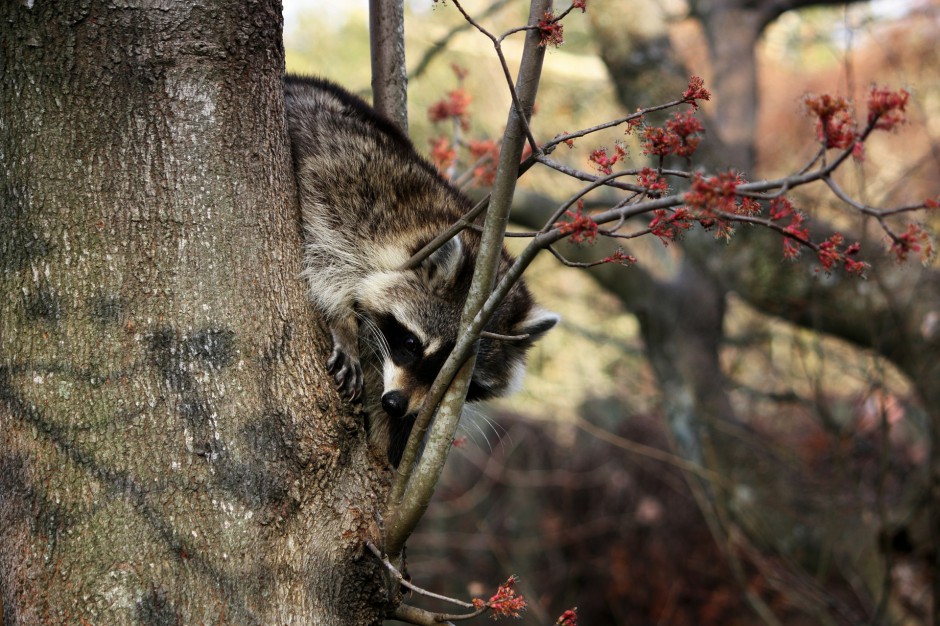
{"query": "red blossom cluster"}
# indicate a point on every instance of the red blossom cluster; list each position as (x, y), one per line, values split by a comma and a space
(781, 209)
(551, 30)
(886, 108)
(620, 257)
(568, 618)
(915, 239)
(442, 153)
(669, 225)
(835, 126)
(680, 136)
(696, 91)
(650, 180)
(721, 193)
(657, 142)
(831, 253)
(581, 228)
(579, 4)
(505, 603)
(486, 153)
(455, 106)
(604, 162)
(711, 197)
(634, 123)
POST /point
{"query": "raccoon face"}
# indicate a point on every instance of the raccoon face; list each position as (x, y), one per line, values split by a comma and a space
(414, 316)
(411, 359)
(409, 366)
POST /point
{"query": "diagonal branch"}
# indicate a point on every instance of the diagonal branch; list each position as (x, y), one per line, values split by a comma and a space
(414, 485)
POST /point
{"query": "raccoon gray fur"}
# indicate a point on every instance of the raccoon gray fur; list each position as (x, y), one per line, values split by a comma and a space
(369, 202)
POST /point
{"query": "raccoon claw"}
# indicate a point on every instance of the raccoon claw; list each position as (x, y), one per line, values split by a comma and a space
(347, 373)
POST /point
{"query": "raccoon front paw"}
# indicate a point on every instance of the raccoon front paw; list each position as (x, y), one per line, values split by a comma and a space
(343, 364)
(347, 373)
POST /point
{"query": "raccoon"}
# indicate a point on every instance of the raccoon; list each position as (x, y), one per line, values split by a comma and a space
(369, 202)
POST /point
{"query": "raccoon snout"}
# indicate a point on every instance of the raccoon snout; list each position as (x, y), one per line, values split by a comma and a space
(395, 403)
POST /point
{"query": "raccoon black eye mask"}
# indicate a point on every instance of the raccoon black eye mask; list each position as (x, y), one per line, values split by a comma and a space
(368, 201)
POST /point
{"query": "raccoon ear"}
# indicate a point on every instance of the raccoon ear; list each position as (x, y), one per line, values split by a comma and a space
(442, 266)
(536, 323)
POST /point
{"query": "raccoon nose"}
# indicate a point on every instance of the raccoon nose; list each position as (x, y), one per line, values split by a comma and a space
(395, 403)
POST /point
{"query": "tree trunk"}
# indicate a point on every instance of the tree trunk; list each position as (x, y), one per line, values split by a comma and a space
(172, 449)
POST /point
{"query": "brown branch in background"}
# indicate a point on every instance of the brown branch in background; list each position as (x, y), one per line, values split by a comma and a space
(387, 42)
(650, 452)
(548, 147)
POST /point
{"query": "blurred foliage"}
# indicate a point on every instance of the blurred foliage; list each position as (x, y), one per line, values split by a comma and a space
(338, 50)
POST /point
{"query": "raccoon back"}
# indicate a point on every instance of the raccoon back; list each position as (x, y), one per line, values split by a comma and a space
(368, 199)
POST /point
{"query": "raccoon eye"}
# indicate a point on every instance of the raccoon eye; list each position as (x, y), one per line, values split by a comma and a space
(411, 343)
(404, 347)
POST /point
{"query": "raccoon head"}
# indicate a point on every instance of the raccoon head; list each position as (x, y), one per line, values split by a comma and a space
(415, 315)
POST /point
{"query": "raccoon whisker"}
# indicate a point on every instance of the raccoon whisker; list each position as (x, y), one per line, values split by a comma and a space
(378, 345)
(486, 427)
(476, 421)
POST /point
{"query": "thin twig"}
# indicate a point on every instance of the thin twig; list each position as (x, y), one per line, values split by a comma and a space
(576, 264)
(866, 210)
(441, 44)
(513, 31)
(634, 235)
(581, 175)
(507, 74)
(816, 157)
(499, 337)
(464, 222)
(559, 139)
(400, 579)
(563, 14)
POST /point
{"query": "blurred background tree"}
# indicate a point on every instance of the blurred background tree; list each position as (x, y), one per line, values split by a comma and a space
(716, 435)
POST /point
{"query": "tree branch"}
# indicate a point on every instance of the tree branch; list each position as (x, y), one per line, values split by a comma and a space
(389, 78)
(408, 584)
(413, 488)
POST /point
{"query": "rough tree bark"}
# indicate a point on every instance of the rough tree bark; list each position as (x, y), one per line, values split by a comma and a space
(171, 449)
(389, 73)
